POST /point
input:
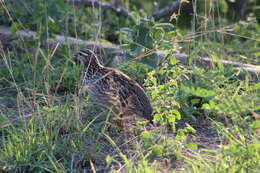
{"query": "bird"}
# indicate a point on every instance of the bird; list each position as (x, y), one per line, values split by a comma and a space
(112, 88)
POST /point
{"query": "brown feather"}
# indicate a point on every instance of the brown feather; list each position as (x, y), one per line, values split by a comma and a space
(111, 87)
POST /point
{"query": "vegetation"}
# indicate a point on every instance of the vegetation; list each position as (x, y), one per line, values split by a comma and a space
(205, 119)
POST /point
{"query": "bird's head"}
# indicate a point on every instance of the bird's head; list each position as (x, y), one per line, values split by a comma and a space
(88, 58)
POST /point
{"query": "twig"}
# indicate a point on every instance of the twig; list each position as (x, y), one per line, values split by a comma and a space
(92, 167)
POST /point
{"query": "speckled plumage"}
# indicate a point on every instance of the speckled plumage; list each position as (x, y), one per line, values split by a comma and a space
(111, 87)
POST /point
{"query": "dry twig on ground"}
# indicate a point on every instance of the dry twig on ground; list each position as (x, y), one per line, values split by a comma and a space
(116, 55)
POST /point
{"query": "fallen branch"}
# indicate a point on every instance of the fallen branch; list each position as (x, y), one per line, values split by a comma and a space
(171, 8)
(102, 5)
(116, 55)
(204, 62)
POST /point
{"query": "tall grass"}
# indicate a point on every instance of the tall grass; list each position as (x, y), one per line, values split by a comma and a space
(206, 120)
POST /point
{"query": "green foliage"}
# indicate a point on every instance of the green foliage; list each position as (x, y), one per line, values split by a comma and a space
(236, 154)
(209, 93)
(162, 94)
(46, 127)
(144, 38)
(50, 17)
(238, 42)
(135, 70)
(60, 74)
(29, 14)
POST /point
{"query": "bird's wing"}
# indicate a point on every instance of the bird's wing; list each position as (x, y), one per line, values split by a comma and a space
(132, 92)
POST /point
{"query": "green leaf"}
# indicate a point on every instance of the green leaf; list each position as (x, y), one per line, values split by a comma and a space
(256, 86)
(151, 61)
(125, 30)
(154, 95)
(176, 113)
(223, 6)
(171, 118)
(173, 60)
(192, 146)
(205, 106)
(147, 139)
(158, 149)
(14, 27)
(195, 101)
(256, 124)
(109, 160)
(153, 80)
(164, 25)
(158, 34)
(145, 135)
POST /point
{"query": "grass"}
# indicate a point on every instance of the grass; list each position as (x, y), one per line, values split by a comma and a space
(45, 130)
(206, 120)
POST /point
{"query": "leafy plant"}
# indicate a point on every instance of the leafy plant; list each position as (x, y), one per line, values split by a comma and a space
(145, 38)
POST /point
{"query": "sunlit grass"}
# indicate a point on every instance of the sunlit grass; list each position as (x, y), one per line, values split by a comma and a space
(206, 120)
